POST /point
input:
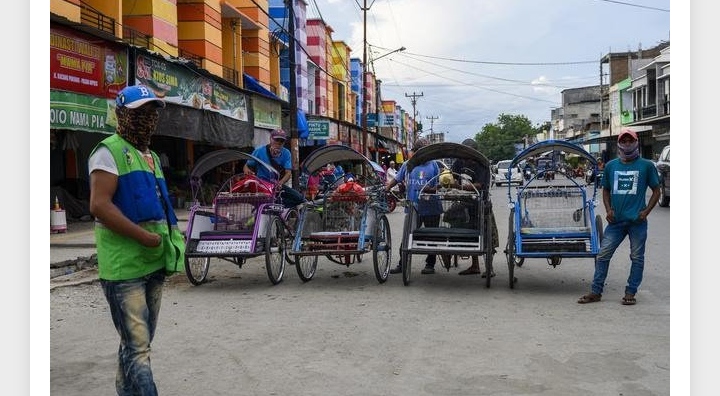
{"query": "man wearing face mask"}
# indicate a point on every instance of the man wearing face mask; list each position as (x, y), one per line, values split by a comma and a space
(134, 216)
(625, 181)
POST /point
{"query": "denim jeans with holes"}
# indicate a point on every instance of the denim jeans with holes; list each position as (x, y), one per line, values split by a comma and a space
(614, 234)
(134, 306)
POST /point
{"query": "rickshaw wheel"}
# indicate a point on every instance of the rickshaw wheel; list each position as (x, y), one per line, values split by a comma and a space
(291, 220)
(306, 267)
(406, 256)
(510, 255)
(196, 269)
(488, 255)
(599, 227)
(275, 250)
(382, 252)
(510, 247)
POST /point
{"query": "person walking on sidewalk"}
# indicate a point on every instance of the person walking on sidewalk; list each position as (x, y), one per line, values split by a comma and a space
(625, 181)
(428, 211)
(133, 212)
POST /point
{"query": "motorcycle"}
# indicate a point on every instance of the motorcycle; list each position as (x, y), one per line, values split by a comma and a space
(395, 197)
(527, 173)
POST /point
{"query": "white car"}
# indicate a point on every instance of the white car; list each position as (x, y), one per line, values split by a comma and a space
(502, 174)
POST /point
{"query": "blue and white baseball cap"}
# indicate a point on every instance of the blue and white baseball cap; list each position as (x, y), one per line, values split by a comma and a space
(134, 96)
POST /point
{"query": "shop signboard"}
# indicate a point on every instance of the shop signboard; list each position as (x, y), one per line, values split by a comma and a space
(267, 113)
(179, 84)
(318, 129)
(85, 64)
(69, 110)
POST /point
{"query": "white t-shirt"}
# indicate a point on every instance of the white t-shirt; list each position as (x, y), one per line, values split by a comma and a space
(102, 159)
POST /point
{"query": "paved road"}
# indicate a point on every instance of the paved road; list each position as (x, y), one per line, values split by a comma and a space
(344, 334)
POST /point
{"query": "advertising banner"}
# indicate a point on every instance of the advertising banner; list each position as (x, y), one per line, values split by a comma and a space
(177, 83)
(69, 110)
(83, 64)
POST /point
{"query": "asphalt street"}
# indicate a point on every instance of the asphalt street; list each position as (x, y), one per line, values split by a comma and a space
(344, 333)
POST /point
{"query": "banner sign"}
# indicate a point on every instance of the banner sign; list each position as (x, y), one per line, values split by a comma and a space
(318, 129)
(83, 64)
(69, 110)
(177, 83)
(267, 113)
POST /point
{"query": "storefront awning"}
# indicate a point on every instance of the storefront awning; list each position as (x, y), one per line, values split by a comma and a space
(253, 85)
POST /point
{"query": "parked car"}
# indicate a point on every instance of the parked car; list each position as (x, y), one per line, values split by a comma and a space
(502, 174)
(663, 168)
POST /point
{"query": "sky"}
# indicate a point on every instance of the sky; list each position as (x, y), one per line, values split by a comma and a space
(475, 60)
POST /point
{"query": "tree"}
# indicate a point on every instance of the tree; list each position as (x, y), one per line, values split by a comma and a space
(498, 141)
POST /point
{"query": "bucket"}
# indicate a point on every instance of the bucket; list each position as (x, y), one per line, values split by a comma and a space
(58, 222)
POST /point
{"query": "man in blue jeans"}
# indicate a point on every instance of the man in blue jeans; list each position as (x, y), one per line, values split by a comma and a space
(625, 181)
(133, 217)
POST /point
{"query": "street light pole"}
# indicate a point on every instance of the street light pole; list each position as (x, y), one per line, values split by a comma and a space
(377, 102)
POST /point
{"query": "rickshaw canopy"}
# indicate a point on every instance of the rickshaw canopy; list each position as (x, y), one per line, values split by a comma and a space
(331, 154)
(216, 158)
(546, 146)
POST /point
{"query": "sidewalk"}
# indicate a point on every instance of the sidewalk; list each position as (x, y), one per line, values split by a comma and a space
(74, 250)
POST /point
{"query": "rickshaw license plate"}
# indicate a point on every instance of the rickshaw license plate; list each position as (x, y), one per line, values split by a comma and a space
(231, 246)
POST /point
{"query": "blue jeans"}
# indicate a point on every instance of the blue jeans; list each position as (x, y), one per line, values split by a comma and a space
(134, 306)
(291, 197)
(614, 234)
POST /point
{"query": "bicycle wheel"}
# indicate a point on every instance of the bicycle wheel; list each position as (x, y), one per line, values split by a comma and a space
(382, 249)
(510, 247)
(275, 249)
(405, 255)
(488, 254)
(306, 267)
(196, 269)
(291, 220)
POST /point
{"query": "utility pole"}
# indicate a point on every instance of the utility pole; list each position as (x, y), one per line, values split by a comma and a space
(432, 119)
(414, 97)
(363, 115)
(294, 149)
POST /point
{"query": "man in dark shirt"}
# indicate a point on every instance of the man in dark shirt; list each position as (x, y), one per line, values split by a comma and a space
(479, 177)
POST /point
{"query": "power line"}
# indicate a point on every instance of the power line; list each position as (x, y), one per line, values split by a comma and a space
(635, 5)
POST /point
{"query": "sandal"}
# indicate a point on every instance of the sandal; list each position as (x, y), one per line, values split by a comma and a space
(589, 298)
(629, 299)
(469, 271)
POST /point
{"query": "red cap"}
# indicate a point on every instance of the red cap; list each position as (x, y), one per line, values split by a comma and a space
(627, 132)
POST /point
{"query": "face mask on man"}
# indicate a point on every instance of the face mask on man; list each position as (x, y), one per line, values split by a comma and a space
(628, 151)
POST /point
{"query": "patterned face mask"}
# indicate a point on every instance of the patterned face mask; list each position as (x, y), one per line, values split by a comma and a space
(137, 125)
(628, 151)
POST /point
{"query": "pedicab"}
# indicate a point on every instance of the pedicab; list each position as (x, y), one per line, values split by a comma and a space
(245, 219)
(344, 222)
(552, 220)
(465, 224)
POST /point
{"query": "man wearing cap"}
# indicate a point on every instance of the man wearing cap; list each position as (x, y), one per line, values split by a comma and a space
(625, 181)
(279, 157)
(133, 220)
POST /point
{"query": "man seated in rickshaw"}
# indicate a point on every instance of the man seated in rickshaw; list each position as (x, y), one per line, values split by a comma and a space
(478, 175)
(279, 157)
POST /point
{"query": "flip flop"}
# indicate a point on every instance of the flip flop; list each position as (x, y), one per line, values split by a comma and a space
(629, 299)
(589, 298)
(469, 271)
